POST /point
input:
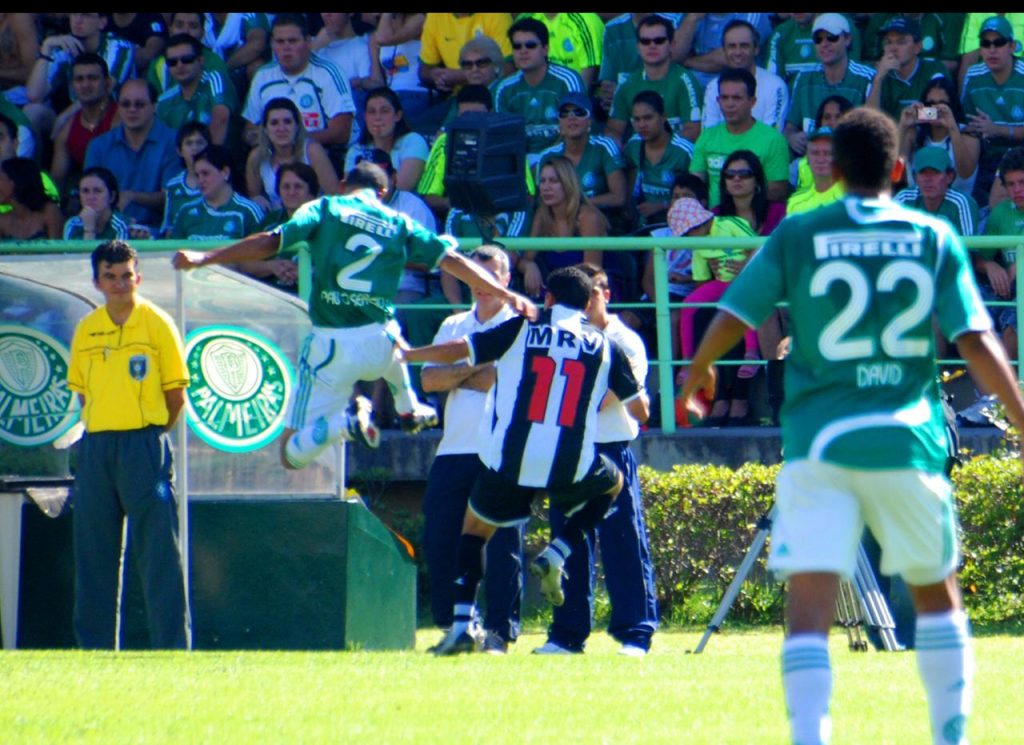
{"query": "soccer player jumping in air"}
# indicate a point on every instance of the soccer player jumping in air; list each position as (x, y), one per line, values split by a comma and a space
(358, 247)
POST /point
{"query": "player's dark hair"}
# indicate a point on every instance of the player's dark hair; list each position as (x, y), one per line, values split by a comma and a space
(655, 20)
(10, 125)
(116, 251)
(1013, 160)
(738, 75)
(369, 176)
(28, 182)
(190, 41)
(190, 128)
(865, 147)
(290, 19)
(530, 26)
(475, 94)
(303, 171)
(91, 58)
(738, 23)
(109, 180)
(570, 287)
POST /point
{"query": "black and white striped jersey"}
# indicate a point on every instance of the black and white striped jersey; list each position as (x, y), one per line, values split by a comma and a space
(552, 376)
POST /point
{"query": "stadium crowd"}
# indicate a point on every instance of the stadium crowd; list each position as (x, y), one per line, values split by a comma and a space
(212, 125)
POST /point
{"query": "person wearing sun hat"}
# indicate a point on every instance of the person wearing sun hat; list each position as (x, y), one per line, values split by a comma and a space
(712, 269)
(993, 100)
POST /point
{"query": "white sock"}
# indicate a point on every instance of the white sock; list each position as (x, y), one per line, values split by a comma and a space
(306, 444)
(946, 665)
(558, 551)
(807, 681)
(464, 613)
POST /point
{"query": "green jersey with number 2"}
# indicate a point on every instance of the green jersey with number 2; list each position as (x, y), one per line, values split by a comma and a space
(863, 278)
(358, 248)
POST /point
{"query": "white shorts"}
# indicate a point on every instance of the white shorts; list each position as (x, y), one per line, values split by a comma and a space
(822, 510)
(333, 360)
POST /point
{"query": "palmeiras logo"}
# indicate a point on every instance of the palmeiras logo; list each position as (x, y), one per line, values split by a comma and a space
(36, 405)
(240, 385)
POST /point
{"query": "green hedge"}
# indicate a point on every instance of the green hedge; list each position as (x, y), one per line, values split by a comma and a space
(702, 519)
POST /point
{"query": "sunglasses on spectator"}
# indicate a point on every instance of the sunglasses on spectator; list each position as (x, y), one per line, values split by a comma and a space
(997, 43)
(186, 59)
(743, 173)
(648, 40)
(479, 64)
(822, 38)
(133, 103)
(517, 45)
(573, 114)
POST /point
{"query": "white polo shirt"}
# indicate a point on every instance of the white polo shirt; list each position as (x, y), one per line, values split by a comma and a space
(614, 423)
(320, 92)
(466, 410)
(771, 106)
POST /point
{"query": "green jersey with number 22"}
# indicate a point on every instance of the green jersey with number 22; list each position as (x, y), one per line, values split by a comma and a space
(358, 249)
(863, 278)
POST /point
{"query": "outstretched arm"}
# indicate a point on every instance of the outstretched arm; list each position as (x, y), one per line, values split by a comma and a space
(251, 248)
(451, 351)
(481, 280)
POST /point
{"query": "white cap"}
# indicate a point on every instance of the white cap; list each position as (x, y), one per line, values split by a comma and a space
(833, 23)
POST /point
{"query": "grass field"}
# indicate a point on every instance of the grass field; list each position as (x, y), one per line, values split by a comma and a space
(729, 694)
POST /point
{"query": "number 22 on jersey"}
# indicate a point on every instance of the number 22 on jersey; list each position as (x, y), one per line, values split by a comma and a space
(836, 342)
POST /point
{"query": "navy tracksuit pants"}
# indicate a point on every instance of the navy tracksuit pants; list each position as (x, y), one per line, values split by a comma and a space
(629, 573)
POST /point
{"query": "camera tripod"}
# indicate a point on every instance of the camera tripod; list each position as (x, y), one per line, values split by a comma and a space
(860, 603)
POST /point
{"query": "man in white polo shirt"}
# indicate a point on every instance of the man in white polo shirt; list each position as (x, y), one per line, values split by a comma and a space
(315, 85)
(456, 466)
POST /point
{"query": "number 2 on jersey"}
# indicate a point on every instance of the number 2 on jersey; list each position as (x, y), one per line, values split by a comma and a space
(544, 368)
(346, 277)
(835, 342)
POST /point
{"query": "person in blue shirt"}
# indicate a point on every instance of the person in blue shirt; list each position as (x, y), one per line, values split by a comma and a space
(140, 152)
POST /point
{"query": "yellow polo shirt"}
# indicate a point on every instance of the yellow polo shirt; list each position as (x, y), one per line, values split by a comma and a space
(444, 34)
(811, 199)
(123, 371)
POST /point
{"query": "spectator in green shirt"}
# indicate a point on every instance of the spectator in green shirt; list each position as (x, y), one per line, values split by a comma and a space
(677, 86)
(740, 131)
(196, 95)
(1000, 271)
(902, 72)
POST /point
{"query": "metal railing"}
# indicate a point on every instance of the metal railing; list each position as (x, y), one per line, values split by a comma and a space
(658, 246)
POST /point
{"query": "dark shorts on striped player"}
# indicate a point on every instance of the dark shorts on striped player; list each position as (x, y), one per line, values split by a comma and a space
(501, 501)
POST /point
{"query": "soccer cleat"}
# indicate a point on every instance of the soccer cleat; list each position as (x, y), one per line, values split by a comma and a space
(631, 650)
(553, 648)
(361, 427)
(494, 643)
(423, 417)
(456, 642)
(549, 571)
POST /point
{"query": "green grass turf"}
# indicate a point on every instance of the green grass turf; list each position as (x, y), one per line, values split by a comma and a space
(729, 694)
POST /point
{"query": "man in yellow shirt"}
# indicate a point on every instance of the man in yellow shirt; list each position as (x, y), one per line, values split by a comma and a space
(826, 188)
(128, 369)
